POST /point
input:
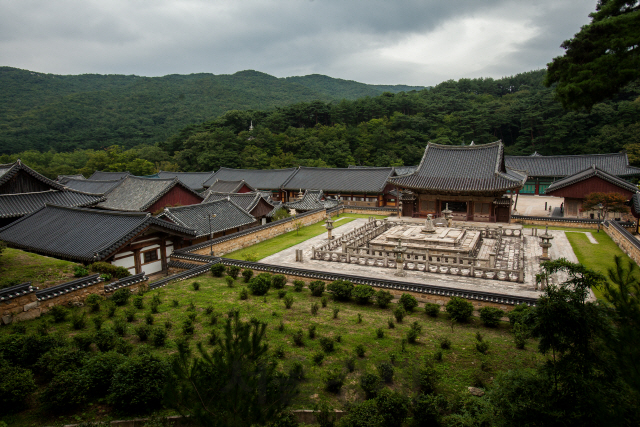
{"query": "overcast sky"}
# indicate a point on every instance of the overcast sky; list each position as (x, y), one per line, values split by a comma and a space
(380, 42)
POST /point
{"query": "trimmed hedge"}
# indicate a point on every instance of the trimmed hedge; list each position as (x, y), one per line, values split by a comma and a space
(112, 270)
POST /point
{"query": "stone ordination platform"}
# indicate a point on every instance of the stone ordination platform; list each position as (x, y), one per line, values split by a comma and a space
(561, 248)
(443, 240)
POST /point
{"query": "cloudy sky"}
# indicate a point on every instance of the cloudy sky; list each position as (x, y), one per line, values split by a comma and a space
(372, 41)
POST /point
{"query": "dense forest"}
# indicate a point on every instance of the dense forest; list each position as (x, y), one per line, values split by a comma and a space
(383, 130)
(47, 111)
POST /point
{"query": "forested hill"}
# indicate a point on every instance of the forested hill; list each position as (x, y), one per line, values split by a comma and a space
(46, 111)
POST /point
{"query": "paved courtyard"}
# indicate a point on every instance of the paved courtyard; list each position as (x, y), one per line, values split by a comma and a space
(561, 248)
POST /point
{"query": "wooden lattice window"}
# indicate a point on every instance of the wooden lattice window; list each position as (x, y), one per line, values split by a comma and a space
(428, 205)
(150, 256)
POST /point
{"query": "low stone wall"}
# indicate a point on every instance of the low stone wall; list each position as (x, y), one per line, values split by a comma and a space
(629, 244)
(255, 235)
(553, 222)
(21, 308)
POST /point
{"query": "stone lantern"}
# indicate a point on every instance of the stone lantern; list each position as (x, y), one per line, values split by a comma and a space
(400, 250)
(428, 225)
(329, 225)
(545, 243)
(448, 215)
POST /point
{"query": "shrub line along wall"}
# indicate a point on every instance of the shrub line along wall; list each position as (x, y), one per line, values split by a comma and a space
(625, 240)
(24, 302)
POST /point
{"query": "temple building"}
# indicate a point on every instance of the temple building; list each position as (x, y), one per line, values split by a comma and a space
(470, 180)
(270, 180)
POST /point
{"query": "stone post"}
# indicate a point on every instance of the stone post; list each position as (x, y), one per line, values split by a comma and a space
(492, 259)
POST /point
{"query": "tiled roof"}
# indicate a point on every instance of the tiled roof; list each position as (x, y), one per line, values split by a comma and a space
(589, 173)
(463, 169)
(267, 179)
(635, 203)
(109, 175)
(62, 179)
(193, 180)
(92, 186)
(361, 180)
(228, 216)
(560, 166)
(246, 201)
(276, 207)
(9, 170)
(16, 291)
(15, 205)
(404, 170)
(79, 234)
(309, 202)
(137, 194)
(220, 186)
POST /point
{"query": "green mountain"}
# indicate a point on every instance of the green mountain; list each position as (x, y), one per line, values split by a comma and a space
(43, 111)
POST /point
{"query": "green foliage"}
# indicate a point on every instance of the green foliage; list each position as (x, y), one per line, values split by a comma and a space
(218, 269)
(445, 343)
(298, 285)
(360, 350)
(370, 384)
(278, 281)
(427, 379)
(298, 338)
(236, 378)
(159, 336)
(244, 294)
(426, 409)
(227, 279)
(78, 319)
(282, 293)
(138, 302)
(288, 301)
(459, 309)
(260, 284)
(385, 370)
(409, 302)
(99, 370)
(317, 358)
(67, 390)
(138, 383)
(196, 286)
(383, 298)
(432, 309)
(105, 339)
(281, 213)
(482, 347)
(379, 333)
(491, 316)
(517, 315)
(336, 310)
(233, 271)
(520, 335)
(334, 380)
(80, 271)
(393, 408)
(130, 315)
(324, 301)
(317, 288)
(327, 344)
(363, 414)
(82, 341)
(312, 331)
(363, 293)
(59, 313)
(412, 336)
(247, 275)
(399, 312)
(109, 269)
(121, 296)
(142, 331)
(341, 289)
(314, 308)
(93, 302)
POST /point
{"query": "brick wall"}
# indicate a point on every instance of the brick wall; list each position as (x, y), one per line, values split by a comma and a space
(246, 240)
(623, 242)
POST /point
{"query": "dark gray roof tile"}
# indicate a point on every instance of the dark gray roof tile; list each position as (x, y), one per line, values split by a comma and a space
(267, 179)
(16, 205)
(246, 201)
(193, 180)
(102, 176)
(310, 201)
(92, 186)
(560, 166)
(9, 170)
(220, 186)
(589, 173)
(345, 180)
(228, 216)
(62, 179)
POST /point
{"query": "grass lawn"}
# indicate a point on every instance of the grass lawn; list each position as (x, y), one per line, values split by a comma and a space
(292, 238)
(20, 266)
(461, 366)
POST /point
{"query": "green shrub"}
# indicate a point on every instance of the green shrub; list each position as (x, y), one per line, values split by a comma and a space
(78, 319)
(338, 338)
(260, 284)
(120, 326)
(360, 350)
(110, 269)
(130, 315)
(312, 331)
(278, 281)
(336, 310)
(196, 286)
(175, 303)
(359, 318)
(327, 344)
(298, 285)
(314, 308)
(93, 302)
(350, 364)
(298, 338)
(370, 384)
(399, 312)
(99, 371)
(282, 293)
(148, 319)
(482, 347)
(79, 271)
(432, 309)
(334, 379)
(317, 288)
(437, 356)
(139, 383)
(229, 280)
(518, 313)
(324, 301)
(491, 316)
(59, 359)
(341, 289)
(280, 326)
(121, 296)
(324, 414)
(279, 352)
(59, 313)
(82, 341)
(105, 339)
(409, 302)
(363, 293)
(412, 336)
(363, 414)
(383, 298)
(138, 302)
(105, 277)
(233, 271)
(318, 357)
(142, 331)
(385, 370)
(427, 379)
(459, 309)
(379, 333)
(426, 409)
(391, 323)
(67, 390)
(393, 408)
(297, 371)
(217, 269)
(288, 301)
(520, 335)
(159, 336)
(445, 343)
(247, 275)
(284, 419)
(110, 308)
(244, 294)
(97, 322)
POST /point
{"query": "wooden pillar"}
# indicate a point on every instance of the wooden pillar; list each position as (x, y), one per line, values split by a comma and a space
(163, 253)
(137, 262)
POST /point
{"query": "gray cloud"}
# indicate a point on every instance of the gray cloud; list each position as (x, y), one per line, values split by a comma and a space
(373, 41)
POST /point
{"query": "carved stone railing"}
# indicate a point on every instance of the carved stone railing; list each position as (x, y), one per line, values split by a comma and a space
(370, 230)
